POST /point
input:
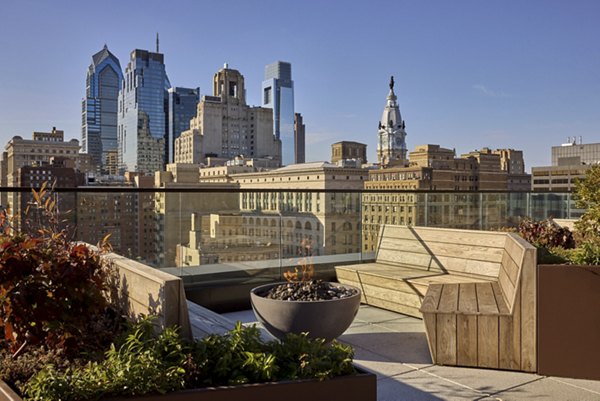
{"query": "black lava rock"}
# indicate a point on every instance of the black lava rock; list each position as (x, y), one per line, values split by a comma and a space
(311, 290)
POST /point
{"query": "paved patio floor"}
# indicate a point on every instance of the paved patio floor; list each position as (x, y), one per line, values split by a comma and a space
(395, 348)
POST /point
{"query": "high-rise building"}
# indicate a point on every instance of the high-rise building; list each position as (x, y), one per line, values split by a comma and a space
(299, 139)
(182, 108)
(127, 216)
(34, 152)
(278, 94)
(99, 107)
(226, 127)
(572, 153)
(570, 162)
(142, 121)
(391, 146)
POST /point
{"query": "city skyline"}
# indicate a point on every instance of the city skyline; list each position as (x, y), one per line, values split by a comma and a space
(468, 74)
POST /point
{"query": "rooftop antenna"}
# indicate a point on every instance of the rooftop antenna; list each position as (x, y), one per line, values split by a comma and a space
(157, 43)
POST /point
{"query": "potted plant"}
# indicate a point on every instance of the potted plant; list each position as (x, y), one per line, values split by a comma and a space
(303, 305)
(568, 299)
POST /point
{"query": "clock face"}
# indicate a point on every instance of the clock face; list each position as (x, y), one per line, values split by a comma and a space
(398, 141)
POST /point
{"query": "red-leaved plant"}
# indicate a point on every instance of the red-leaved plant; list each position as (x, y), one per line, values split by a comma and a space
(50, 288)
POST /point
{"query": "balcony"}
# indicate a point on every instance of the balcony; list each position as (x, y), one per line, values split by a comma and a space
(221, 243)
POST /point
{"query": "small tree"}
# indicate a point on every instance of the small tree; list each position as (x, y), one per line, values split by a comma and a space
(587, 193)
(51, 289)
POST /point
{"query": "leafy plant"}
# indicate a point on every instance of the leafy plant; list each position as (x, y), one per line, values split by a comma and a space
(143, 364)
(545, 234)
(587, 195)
(147, 363)
(51, 289)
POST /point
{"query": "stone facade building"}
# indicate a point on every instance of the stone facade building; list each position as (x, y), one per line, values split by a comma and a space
(226, 127)
(348, 150)
(433, 168)
(290, 224)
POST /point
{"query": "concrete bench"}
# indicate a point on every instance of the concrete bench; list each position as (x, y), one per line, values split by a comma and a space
(475, 291)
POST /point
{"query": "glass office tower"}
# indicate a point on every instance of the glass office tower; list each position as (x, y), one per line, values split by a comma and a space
(142, 130)
(278, 94)
(99, 107)
(182, 108)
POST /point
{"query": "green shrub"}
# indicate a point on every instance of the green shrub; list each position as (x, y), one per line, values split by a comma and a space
(143, 364)
(545, 234)
(587, 253)
(146, 363)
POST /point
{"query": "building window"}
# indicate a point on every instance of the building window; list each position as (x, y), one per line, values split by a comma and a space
(267, 95)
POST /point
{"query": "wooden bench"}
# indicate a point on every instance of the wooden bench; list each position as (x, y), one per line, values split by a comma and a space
(143, 290)
(475, 290)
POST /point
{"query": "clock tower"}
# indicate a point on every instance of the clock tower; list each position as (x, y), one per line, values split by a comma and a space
(391, 147)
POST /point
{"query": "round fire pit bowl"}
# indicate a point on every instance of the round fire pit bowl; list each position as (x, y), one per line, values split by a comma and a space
(326, 319)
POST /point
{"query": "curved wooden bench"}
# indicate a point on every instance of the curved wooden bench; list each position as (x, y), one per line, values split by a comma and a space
(475, 290)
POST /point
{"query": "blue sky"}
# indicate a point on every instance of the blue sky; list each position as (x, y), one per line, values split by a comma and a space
(469, 74)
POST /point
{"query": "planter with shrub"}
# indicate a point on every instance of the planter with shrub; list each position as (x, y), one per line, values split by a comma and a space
(568, 299)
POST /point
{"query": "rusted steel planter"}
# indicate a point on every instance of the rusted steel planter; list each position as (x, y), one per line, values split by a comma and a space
(569, 321)
(359, 387)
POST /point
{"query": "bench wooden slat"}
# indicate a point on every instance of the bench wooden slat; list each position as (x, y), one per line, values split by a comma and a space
(485, 299)
(415, 260)
(450, 235)
(466, 340)
(487, 338)
(500, 302)
(528, 312)
(475, 252)
(448, 299)
(467, 298)
(510, 340)
(432, 299)
(446, 338)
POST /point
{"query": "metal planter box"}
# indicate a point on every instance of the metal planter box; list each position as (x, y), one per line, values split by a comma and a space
(359, 387)
(569, 321)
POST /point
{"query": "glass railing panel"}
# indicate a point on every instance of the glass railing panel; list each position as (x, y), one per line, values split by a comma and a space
(226, 237)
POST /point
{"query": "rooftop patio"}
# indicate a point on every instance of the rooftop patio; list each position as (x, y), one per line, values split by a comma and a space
(394, 347)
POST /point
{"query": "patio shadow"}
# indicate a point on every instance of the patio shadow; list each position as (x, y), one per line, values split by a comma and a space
(393, 346)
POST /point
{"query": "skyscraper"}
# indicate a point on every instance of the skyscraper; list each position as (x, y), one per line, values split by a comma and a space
(391, 146)
(278, 94)
(142, 120)
(226, 127)
(182, 108)
(299, 139)
(99, 107)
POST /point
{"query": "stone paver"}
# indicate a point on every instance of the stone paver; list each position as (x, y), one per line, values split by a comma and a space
(548, 389)
(486, 381)
(394, 347)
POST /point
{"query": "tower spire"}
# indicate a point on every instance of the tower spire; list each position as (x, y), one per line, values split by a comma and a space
(157, 48)
(392, 82)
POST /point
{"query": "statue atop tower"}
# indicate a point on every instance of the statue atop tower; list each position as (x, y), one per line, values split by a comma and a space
(391, 146)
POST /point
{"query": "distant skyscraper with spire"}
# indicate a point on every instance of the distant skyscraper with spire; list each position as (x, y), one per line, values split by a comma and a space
(278, 94)
(142, 121)
(99, 107)
(391, 147)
